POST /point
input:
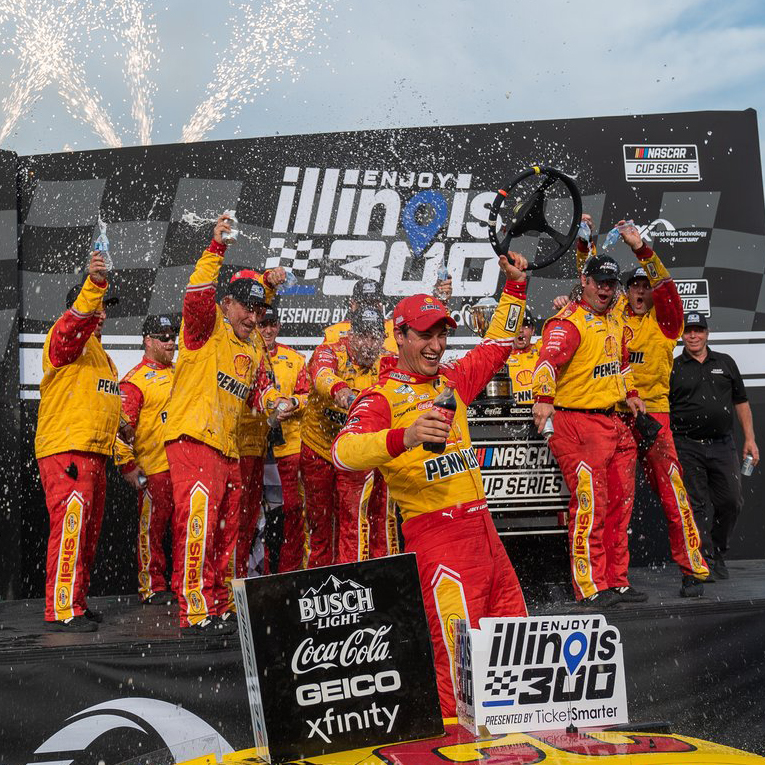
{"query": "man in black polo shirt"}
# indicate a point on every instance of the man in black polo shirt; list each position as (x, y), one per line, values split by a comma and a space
(705, 389)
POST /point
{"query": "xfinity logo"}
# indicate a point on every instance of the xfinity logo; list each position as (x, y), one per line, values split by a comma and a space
(336, 602)
(185, 735)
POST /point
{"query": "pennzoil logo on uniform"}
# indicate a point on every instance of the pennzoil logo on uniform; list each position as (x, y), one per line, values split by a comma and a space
(637, 357)
(230, 385)
(108, 386)
(451, 463)
(606, 370)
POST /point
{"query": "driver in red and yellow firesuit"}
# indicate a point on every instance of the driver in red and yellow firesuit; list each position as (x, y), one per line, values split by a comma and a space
(463, 567)
(76, 427)
(219, 371)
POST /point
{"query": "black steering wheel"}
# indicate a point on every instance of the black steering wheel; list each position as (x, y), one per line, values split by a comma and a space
(528, 215)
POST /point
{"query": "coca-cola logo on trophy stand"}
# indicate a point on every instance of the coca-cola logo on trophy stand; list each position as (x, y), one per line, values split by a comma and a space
(337, 658)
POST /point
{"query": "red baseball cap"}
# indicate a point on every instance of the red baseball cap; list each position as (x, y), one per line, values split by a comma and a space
(421, 312)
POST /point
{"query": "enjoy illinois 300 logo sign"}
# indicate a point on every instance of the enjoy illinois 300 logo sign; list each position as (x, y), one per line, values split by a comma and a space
(338, 657)
(540, 673)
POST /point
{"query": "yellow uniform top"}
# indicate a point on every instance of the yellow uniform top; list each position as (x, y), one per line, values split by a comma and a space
(79, 393)
(145, 393)
(215, 369)
(291, 380)
(583, 362)
(520, 367)
(331, 368)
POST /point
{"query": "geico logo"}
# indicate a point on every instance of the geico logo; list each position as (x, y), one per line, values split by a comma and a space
(606, 370)
(348, 688)
(350, 602)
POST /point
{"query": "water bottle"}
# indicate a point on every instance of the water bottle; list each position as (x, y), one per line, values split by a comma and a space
(290, 282)
(615, 234)
(747, 466)
(102, 246)
(446, 403)
(230, 237)
(276, 434)
(442, 275)
(584, 232)
(548, 429)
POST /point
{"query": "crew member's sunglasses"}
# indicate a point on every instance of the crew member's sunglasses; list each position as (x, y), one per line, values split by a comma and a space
(165, 337)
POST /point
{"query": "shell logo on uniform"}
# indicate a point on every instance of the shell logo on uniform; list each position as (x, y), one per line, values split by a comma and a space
(611, 346)
(628, 334)
(72, 521)
(524, 377)
(242, 364)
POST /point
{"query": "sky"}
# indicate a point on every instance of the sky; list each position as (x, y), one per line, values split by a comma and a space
(310, 66)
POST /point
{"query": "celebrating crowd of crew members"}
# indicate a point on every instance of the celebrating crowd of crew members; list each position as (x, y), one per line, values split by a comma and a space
(464, 569)
(192, 439)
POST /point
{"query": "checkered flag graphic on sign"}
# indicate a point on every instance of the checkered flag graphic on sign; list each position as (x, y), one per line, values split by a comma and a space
(303, 259)
(500, 682)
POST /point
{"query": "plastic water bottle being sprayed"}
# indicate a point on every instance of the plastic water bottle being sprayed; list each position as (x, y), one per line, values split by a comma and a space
(442, 275)
(616, 232)
(102, 245)
(289, 282)
(584, 232)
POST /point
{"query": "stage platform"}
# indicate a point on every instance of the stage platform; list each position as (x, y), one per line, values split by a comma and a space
(697, 663)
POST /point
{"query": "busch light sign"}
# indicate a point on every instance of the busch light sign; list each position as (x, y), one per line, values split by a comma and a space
(337, 658)
(540, 673)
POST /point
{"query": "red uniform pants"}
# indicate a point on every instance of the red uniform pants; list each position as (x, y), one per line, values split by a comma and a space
(75, 490)
(206, 493)
(597, 455)
(294, 545)
(155, 509)
(320, 503)
(251, 469)
(664, 473)
(464, 574)
(365, 528)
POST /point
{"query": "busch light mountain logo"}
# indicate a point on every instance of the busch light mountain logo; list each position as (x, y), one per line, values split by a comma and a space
(335, 603)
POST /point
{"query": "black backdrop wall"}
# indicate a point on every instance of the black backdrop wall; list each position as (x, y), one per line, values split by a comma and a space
(341, 206)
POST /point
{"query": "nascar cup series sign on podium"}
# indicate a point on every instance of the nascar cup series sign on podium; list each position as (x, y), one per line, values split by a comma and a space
(337, 658)
(539, 673)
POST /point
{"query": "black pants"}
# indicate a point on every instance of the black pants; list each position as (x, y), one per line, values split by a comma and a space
(711, 473)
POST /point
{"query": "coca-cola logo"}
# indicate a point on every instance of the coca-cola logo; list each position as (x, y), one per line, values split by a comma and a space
(362, 646)
(493, 411)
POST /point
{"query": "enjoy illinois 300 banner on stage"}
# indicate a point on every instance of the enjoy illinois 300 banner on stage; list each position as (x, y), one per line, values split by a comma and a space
(388, 205)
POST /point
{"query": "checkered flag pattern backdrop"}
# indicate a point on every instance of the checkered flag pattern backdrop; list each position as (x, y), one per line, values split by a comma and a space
(500, 682)
(304, 260)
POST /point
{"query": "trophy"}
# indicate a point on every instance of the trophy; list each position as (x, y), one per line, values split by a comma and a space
(478, 319)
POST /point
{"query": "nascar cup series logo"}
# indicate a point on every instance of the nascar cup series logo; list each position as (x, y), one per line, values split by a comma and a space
(335, 603)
